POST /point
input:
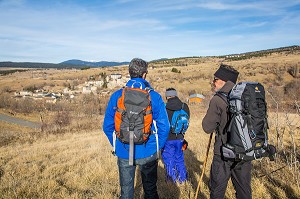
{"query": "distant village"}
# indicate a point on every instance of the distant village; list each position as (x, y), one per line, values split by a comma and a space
(92, 86)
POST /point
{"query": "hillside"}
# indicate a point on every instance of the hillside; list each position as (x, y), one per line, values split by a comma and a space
(75, 63)
(64, 65)
(70, 157)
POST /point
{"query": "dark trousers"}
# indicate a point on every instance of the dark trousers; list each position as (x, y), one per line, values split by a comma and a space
(240, 174)
(148, 168)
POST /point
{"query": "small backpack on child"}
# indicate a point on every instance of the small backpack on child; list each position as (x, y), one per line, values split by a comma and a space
(180, 121)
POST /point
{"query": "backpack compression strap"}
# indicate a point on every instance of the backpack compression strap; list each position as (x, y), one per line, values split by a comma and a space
(131, 147)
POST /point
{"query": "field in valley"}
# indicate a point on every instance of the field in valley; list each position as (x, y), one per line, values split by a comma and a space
(70, 157)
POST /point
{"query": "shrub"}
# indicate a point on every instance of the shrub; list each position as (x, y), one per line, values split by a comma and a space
(85, 68)
(175, 70)
(292, 88)
(31, 88)
(62, 119)
(294, 71)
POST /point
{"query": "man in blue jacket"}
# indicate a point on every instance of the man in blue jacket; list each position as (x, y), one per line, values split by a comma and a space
(145, 155)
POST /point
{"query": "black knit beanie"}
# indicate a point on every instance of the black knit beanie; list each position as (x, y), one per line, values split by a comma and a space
(227, 73)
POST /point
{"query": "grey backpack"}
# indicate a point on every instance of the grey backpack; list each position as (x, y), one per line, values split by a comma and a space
(247, 129)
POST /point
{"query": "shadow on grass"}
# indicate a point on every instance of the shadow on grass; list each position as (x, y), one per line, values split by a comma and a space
(194, 172)
(169, 190)
(288, 190)
(165, 189)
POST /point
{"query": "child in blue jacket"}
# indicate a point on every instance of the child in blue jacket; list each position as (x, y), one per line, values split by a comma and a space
(172, 153)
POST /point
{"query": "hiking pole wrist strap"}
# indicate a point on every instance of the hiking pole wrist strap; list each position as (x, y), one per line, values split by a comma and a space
(156, 137)
(114, 143)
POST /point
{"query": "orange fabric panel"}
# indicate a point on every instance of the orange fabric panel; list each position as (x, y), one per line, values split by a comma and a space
(147, 118)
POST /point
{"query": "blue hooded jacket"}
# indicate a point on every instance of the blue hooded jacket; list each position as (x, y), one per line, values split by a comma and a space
(159, 114)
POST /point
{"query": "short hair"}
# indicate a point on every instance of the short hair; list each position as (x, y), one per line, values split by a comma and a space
(137, 67)
(171, 89)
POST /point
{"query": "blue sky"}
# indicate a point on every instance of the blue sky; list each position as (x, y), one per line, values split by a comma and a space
(119, 30)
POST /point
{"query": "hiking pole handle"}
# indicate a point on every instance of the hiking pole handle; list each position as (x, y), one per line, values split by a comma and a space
(204, 165)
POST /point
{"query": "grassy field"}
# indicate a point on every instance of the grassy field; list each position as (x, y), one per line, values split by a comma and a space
(80, 165)
(75, 160)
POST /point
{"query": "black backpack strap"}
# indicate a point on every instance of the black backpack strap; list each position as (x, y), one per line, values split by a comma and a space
(182, 105)
(223, 96)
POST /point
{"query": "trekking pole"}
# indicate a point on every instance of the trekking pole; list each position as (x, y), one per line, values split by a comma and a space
(204, 165)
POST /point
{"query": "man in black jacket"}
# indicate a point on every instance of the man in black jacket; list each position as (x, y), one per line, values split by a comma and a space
(172, 153)
(216, 119)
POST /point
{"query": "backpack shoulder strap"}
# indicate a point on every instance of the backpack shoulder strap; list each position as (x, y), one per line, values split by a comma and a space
(149, 89)
(223, 96)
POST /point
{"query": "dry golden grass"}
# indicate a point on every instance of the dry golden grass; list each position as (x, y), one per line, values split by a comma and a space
(71, 166)
(15, 134)
(79, 164)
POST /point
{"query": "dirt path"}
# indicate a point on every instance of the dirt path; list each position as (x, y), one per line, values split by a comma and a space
(19, 121)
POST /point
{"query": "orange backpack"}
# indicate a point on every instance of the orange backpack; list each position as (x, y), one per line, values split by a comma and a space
(134, 114)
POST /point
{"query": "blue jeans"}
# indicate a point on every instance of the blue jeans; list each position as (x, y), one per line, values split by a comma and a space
(173, 158)
(148, 168)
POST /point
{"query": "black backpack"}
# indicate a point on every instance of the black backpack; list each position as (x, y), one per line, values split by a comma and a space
(247, 128)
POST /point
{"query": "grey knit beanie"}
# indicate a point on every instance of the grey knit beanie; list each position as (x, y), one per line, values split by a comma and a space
(171, 93)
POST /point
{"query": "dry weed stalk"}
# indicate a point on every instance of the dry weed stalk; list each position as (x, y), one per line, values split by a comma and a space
(291, 161)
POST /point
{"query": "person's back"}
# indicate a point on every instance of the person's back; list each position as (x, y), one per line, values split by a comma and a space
(145, 155)
(172, 153)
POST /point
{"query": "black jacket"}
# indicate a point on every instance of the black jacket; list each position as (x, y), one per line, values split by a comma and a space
(174, 104)
(216, 118)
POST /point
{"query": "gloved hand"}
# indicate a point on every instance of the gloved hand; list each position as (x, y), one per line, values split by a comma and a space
(184, 145)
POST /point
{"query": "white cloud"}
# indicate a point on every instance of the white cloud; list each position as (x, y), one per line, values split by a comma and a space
(148, 29)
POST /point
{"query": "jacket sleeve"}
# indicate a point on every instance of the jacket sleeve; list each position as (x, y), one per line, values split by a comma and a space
(161, 118)
(108, 123)
(212, 118)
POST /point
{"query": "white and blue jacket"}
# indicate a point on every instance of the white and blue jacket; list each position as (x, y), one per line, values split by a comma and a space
(159, 114)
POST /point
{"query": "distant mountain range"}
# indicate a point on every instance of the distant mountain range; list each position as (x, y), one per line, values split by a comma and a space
(73, 63)
(77, 62)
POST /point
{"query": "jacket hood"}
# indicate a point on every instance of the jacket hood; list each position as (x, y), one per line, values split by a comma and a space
(227, 87)
(174, 104)
(138, 83)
